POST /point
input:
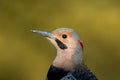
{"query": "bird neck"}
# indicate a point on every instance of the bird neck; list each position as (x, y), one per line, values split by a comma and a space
(77, 58)
(68, 59)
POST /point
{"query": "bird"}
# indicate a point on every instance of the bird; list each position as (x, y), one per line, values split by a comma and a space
(68, 63)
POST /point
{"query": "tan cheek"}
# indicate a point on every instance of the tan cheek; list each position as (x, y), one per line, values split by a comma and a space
(64, 40)
(72, 43)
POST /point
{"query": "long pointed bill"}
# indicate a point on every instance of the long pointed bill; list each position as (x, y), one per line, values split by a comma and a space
(50, 36)
(44, 33)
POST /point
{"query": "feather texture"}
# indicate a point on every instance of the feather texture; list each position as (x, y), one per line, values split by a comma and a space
(55, 73)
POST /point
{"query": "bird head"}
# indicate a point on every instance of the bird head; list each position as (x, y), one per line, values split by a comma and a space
(68, 44)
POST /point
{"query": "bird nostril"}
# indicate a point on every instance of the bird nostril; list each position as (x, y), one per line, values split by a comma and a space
(64, 36)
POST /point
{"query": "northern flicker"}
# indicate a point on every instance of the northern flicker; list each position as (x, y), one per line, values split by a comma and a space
(68, 63)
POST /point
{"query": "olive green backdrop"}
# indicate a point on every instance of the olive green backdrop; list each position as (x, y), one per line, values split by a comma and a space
(27, 56)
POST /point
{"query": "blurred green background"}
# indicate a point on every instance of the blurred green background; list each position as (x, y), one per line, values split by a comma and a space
(27, 56)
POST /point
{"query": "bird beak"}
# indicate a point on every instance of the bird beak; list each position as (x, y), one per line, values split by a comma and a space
(44, 33)
(50, 37)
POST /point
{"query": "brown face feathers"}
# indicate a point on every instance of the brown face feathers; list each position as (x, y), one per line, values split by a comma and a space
(63, 36)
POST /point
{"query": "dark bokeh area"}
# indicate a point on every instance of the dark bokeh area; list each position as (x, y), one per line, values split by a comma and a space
(27, 56)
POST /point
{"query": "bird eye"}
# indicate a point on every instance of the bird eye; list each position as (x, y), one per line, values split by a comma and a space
(64, 36)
